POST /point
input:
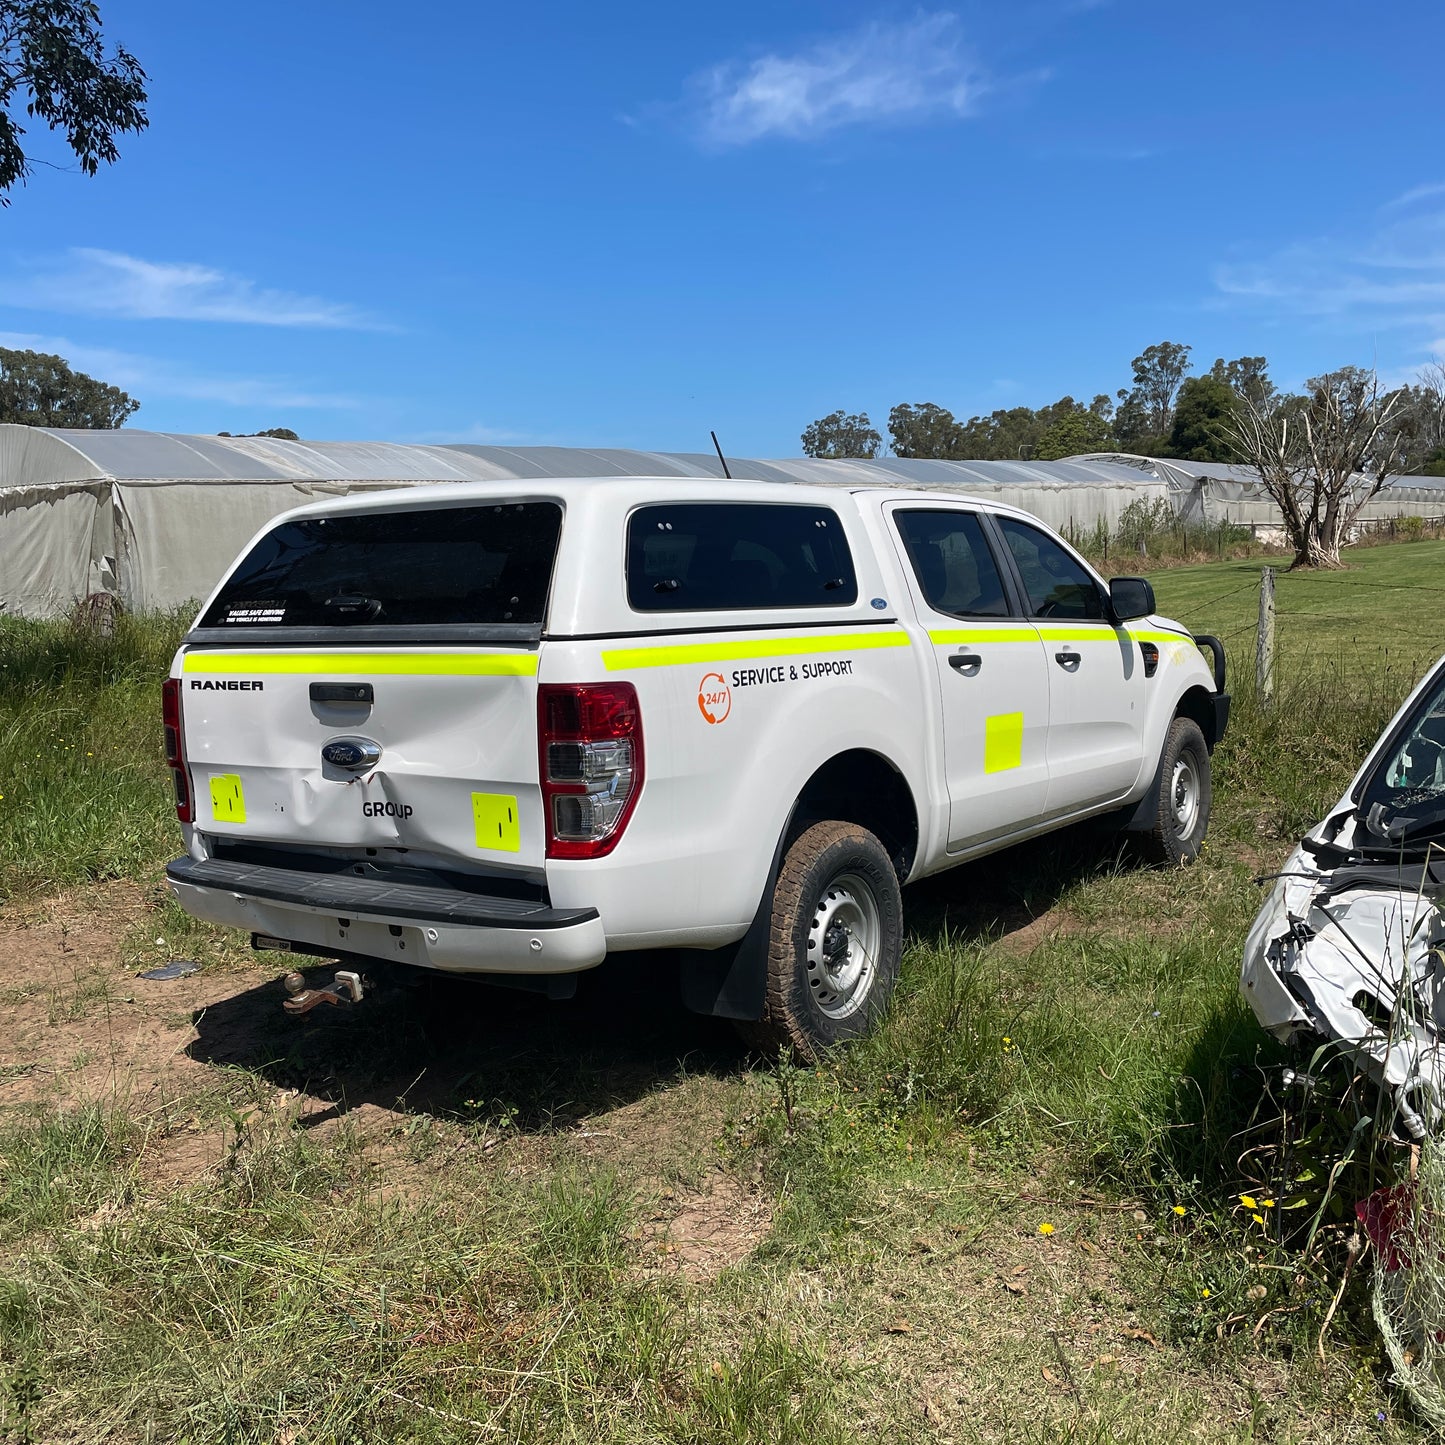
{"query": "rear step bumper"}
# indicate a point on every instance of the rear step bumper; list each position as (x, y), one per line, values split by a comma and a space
(422, 924)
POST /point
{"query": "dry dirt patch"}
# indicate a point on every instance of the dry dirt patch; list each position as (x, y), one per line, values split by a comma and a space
(698, 1233)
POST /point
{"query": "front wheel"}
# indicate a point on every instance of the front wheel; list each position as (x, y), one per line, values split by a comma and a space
(835, 944)
(1184, 794)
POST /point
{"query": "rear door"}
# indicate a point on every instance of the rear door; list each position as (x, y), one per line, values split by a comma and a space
(992, 673)
(367, 681)
(1096, 673)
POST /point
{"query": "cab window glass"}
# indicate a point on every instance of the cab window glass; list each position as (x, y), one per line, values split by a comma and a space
(722, 556)
(955, 569)
(1056, 584)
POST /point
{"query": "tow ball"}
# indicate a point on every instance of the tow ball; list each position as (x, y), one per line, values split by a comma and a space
(344, 988)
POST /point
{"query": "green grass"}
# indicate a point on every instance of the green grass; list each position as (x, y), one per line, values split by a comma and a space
(1373, 625)
(80, 751)
(485, 1267)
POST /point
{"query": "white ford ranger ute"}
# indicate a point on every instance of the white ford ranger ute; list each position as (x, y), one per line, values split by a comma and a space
(509, 728)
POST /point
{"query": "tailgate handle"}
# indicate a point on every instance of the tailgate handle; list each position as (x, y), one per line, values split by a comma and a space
(342, 692)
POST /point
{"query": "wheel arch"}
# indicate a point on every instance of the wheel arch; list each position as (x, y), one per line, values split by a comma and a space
(1197, 705)
(863, 787)
(857, 786)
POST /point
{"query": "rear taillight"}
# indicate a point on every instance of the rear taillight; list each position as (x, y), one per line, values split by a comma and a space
(175, 746)
(590, 744)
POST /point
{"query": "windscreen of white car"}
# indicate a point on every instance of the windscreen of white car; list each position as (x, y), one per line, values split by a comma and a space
(423, 567)
(1403, 797)
(727, 556)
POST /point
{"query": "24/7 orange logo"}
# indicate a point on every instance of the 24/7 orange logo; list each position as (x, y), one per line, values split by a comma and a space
(714, 697)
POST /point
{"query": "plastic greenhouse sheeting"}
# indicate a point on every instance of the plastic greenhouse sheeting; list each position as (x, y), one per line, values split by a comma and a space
(154, 519)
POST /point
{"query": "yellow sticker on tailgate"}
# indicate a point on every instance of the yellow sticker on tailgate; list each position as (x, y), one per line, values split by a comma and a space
(495, 815)
(228, 802)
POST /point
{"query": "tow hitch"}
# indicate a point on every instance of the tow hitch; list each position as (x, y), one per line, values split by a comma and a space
(344, 988)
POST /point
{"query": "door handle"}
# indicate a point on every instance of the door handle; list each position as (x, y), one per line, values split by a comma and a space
(968, 663)
(1069, 661)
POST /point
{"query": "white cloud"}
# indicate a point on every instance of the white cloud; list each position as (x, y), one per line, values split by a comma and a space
(909, 72)
(1389, 275)
(150, 378)
(93, 282)
(1416, 193)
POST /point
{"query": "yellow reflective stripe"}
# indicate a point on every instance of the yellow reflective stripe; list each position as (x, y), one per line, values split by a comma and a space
(625, 659)
(984, 634)
(1161, 637)
(389, 664)
(1101, 633)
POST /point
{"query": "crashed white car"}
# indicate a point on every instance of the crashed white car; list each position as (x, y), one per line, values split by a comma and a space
(1349, 948)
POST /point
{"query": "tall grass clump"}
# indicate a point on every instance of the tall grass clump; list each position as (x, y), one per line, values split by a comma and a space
(83, 788)
(1288, 762)
(59, 1166)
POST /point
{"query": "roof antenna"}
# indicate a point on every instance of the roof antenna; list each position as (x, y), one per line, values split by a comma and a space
(720, 456)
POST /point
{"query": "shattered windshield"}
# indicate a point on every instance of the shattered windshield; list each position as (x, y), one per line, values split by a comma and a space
(1404, 796)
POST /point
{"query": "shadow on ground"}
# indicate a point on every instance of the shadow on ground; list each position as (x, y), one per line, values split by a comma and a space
(461, 1049)
(1007, 891)
(456, 1048)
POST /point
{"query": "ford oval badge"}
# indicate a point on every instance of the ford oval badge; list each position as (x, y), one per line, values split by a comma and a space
(355, 755)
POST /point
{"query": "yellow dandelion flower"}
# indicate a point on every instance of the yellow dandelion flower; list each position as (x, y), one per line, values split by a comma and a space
(1248, 1203)
(1269, 1203)
(1258, 1219)
(1046, 1228)
(1204, 1294)
(1180, 1210)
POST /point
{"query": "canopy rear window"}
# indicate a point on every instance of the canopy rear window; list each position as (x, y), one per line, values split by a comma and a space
(725, 556)
(471, 566)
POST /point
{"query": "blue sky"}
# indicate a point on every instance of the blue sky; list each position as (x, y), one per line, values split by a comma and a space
(623, 225)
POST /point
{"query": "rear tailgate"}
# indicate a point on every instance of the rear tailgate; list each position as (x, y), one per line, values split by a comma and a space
(366, 678)
(438, 754)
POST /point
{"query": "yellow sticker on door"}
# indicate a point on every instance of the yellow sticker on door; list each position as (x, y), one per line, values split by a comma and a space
(228, 802)
(495, 815)
(1003, 742)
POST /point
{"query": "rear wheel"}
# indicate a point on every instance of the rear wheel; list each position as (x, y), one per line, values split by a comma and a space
(1184, 795)
(835, 944)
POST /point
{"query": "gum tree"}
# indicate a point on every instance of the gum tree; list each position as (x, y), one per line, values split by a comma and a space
(841, 435)
(54, 68)
(37, 389)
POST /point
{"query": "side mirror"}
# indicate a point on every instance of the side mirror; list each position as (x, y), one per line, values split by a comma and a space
(1131, 597)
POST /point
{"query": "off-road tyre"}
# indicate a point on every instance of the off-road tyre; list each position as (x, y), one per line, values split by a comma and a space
(835, 943)
(1183, 797)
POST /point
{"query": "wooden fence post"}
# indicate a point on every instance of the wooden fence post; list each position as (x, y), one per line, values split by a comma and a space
(1264, 641)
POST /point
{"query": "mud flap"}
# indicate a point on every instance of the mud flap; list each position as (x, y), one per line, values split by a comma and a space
(1143, 815)
(731, 982)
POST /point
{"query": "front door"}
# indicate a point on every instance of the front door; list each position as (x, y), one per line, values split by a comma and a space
(992, 674)
(1096, 674)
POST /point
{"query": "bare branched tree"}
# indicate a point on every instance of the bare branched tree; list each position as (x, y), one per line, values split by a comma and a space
(1322, 457)
(1432, 394)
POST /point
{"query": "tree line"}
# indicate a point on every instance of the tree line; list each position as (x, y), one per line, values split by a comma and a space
(1167, 412)
(38, 389)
